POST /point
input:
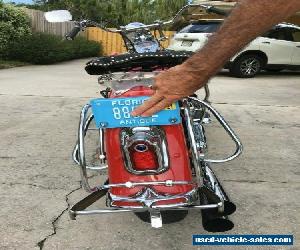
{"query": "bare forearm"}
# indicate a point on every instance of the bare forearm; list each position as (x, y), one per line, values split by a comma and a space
(249, 19)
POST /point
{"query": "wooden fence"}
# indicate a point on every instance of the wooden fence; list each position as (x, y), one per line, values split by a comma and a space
(112, 42)
(40, 24)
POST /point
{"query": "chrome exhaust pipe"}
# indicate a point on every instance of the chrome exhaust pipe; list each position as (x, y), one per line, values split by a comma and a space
(213, 188)
(212, 192)
(212, 220)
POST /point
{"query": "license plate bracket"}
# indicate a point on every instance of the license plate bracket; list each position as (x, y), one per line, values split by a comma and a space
(115, 113)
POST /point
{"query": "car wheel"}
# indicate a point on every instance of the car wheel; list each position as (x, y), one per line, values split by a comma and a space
(246, 66)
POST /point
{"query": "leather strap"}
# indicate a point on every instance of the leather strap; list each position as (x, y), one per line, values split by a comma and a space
(86, 202)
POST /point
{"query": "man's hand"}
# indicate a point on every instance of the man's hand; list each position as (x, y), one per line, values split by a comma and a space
(171, 86)
(247, 21)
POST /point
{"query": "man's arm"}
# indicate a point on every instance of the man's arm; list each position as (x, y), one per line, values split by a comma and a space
(249, 19)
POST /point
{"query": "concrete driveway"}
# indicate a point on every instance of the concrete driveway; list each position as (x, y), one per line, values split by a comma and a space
(39, 113)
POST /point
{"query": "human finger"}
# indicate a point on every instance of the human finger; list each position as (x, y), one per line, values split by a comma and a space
(153, 100)
(157, 107)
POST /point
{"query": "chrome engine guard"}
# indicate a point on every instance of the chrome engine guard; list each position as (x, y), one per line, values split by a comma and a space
(206, 181)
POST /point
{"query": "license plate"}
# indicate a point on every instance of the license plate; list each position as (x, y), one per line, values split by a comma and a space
(115, 113)
(187, 43)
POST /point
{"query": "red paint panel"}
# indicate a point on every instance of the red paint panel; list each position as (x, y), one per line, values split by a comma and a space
(179, 164)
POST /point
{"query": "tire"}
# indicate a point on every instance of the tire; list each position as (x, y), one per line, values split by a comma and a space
(246, 66)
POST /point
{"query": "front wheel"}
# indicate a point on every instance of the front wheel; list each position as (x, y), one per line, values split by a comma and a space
(246, 66)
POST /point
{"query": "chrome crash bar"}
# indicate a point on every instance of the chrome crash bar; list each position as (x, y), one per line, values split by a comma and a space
(147, 198)
(225, 125)
(79, 151)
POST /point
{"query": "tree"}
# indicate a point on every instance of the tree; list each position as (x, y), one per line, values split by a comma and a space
(120, 12)
(14, 26)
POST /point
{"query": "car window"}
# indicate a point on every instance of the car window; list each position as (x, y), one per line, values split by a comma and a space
(201, 28)
(296, 35)
(278, 34)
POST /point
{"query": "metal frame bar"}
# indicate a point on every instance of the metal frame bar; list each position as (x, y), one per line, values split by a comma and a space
(147, 205)
(225, 125)
(122, 210)
(75, 154)
(129, 184)
(82, 129)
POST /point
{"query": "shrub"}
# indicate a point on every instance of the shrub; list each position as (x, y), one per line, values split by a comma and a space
(42, 48)
(14, 26)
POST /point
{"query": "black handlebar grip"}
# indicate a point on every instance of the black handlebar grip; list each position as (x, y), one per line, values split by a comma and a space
(73, 33)
(218, 11)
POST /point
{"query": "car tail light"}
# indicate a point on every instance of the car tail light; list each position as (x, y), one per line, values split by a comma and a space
(143, 157)
(145, 150)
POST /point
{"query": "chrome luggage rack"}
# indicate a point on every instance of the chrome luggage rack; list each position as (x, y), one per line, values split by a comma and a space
(207, 189)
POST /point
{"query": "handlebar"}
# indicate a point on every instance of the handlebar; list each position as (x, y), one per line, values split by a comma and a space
(73, 33)
(158, 25)
(215, 10)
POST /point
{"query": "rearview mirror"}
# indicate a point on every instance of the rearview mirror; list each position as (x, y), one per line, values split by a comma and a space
(58, 16)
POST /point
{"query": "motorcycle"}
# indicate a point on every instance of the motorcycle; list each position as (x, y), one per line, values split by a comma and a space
(156, 165)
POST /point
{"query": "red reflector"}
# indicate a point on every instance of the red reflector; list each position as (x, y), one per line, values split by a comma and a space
(144, 160)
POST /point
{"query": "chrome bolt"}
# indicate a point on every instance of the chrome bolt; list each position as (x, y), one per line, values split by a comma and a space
(169, 183)
(128, 184)
(102, 157)
(103, 124)
(173, 120)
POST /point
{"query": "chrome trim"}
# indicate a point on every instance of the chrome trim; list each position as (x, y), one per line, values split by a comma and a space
(148, 197)
(83, 126)
(75, 154)
(225, 125)
(122, 82)
(153, 136)
(102, 156)
(142, 209)
(196, 156)
(155, 217)
(138, 149)
(81, 150)
(211, 182)
(86, 126)
(129, 184)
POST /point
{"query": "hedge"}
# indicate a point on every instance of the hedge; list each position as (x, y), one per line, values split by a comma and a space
(14, 26)
(42, 48)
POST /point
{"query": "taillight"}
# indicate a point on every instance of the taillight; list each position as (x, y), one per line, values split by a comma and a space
(145, 150)
(143, 157)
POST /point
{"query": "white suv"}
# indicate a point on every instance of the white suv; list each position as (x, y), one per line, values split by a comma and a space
(276, 50)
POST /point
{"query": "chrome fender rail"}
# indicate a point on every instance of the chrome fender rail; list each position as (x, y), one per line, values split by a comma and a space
(79, 151)
(225, 125)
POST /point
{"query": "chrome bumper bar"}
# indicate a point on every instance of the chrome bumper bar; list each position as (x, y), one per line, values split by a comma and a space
(225, 125)
(79, 208)
(73, 214)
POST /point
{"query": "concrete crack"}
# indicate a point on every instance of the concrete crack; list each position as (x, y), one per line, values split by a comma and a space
(8, 157)
(55, 221)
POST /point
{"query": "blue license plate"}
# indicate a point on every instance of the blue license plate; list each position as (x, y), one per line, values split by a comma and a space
(115, 113)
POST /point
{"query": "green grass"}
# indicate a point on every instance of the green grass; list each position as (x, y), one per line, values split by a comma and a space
(11, 64)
